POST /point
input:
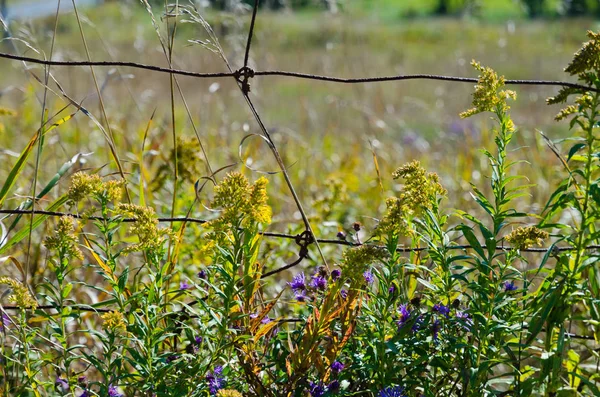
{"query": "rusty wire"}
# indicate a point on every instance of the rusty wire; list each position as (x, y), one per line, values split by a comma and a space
(282, 73)
(289, 236)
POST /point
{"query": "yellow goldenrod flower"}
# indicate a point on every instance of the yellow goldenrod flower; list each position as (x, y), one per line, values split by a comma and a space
(113, 321)
(145, 226)
(229, 393)
(241, 204)
(488, 96)
(588, 57)
(356, 260)
(420, 191)
(525, 237)
(84, 185)
(64, 240)
(7, 112)
(20, 295)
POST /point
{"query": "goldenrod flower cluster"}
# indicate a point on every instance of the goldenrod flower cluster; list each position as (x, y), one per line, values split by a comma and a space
(84, 185)
(356, 260)
(420, 191)
(525, 237)
(336, 194)
(588, 57)
(7, 112)
(113, 321)
(229, 393)
(20, 295)
(189, 163)
(64, 240)
(488, 95)
(145, 226)
(585, 64)
(240, 201)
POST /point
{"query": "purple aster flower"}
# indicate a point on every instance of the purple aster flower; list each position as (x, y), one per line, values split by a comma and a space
(392, 289)
(265, 320)
(395, 391)
(86, 393)
(509, 286)
(334, 386)
(318, 282)
(298, 283)
(61, 385)
(344, 294)
(368, 275)
(404, 315)
(300, 296)
(202, 274)
(215, 381)
(336, 274)
(337, 367)
(417, 325)
(4, 321)
(172, 358)
(184, 285)
(316, 389)
(445, 310)
(435, 329)
(113, 391)
(198, 340)
(465, 319)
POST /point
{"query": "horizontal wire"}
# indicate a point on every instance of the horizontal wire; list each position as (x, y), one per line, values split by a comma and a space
(306, 76)
(290, 236)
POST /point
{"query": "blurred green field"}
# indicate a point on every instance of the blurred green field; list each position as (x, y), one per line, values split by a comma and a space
(323, 130)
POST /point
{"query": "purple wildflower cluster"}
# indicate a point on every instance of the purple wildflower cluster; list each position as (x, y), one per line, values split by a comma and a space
(403, 315)
(318, 282)
(113, 391)
(441, 314)
(442, 309)
(318, 389)
(510, 286)
(215, 380)
(184, 285)
(392, 391)
(369, 277)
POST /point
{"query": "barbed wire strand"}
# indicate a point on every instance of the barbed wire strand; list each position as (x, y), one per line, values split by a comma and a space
(306, 76)
(287, 235)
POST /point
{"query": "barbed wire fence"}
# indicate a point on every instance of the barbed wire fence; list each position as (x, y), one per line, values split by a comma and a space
(243, 77)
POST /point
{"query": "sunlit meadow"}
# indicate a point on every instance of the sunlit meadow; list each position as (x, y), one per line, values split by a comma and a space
(457, 218)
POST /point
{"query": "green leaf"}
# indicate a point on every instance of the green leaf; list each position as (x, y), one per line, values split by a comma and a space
(470, 236)
(574, 149)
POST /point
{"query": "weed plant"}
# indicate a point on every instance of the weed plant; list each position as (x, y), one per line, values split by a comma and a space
(428, 302)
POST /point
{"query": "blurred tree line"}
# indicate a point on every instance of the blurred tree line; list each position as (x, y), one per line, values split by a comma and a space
(533, 8)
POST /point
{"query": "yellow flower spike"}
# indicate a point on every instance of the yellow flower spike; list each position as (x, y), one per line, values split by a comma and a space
(488, 96)
(84, 185)
(238, 200)
(588, 57)
(64, 239)
(20, 295)
(114, 321)
(229, 393)
(525, 237)
(145, 226)
(356, 260)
